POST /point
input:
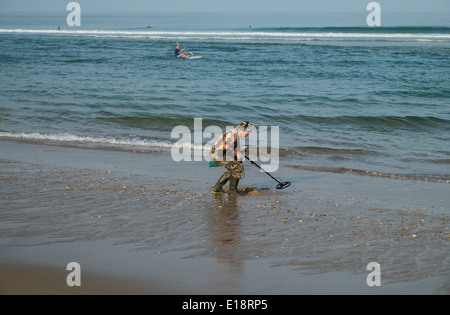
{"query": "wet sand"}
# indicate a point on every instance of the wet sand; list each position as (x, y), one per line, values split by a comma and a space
(138, 222)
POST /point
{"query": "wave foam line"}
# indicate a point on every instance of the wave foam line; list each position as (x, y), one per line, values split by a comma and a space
(84, 139)
(234, 35)
(98, 140)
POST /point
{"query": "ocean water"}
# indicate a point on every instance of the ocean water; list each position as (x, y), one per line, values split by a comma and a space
(346, 97)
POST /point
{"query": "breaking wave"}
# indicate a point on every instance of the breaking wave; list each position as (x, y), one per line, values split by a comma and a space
(279, 34)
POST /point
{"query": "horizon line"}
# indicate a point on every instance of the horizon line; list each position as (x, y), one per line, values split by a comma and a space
(440, 12)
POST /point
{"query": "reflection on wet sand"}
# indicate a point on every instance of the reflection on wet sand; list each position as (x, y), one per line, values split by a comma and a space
(225, 243)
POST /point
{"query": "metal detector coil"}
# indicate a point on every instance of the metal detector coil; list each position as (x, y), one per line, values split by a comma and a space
(283, 185)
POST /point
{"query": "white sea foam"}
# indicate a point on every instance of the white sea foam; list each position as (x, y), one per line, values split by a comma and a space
(236, 35)
(103, 141)
(86, 139)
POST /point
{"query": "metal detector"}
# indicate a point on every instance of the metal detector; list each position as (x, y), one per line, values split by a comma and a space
(281, 185)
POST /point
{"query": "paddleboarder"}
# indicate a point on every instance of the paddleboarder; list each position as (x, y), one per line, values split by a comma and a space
(178, 51)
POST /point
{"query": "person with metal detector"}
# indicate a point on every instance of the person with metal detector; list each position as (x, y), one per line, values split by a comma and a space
(226, 153)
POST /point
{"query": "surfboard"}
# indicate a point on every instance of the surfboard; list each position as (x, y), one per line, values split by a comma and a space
(195, 57)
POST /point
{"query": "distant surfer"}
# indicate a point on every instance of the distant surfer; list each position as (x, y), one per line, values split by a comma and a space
(178, 51)
(226, 153)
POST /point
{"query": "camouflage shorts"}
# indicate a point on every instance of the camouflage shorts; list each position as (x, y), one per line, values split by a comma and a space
(234, 168)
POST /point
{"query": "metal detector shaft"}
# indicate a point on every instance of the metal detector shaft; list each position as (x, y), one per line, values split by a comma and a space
(262, 169)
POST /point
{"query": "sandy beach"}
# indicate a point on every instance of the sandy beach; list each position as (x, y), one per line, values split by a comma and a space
(140, 223)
